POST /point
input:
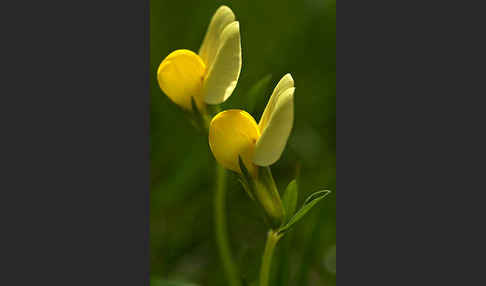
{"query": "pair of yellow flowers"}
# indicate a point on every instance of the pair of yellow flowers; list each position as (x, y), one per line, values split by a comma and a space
(210, 77)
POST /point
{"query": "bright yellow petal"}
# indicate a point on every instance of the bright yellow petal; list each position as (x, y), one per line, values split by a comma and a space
(224, 72)
(180, 76)
(285, 83)
(221, 18)
(233, 133)
(274, 137)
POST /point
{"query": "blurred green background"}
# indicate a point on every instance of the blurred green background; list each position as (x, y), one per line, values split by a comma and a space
(277, 37)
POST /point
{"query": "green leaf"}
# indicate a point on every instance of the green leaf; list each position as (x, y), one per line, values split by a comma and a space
(316, 195)
(309, 203)
(256, 93)
(290, 199)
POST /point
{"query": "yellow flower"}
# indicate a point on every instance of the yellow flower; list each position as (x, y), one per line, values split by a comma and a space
(209, 76)
(234, 132)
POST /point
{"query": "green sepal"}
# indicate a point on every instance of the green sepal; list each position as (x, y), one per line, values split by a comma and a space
(196, 116)
(201, 119)
(247, 189)
(269, 198)
(194, 107)
(245, 174)
(246, 180)
(264, 192)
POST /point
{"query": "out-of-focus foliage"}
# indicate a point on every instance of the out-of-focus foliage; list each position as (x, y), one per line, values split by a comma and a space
(277, 37)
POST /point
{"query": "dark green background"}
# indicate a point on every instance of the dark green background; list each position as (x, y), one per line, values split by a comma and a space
(277, 37)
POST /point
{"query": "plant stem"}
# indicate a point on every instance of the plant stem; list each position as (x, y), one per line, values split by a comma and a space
(220, 227)
(283, 276)
(272, 239)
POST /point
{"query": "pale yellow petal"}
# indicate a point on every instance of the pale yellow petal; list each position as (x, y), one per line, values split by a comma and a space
(180, 76)
(221, 18)
(223, 74)
(233, 133)
(274, 137)
(285, 83)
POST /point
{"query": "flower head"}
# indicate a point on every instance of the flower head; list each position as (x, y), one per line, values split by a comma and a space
(234, 133)
(210, 76)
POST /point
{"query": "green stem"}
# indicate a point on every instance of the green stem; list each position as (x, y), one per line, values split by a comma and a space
(221, 232)
(272, 239)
